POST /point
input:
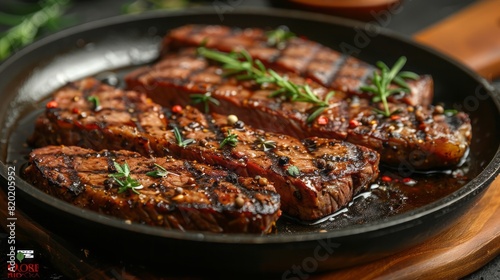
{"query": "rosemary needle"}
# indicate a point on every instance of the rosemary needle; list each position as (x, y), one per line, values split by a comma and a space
(382, 81)
(123, 179)
(244, 67)
(231, 139)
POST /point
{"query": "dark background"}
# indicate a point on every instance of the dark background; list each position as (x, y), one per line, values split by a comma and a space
(414, 16)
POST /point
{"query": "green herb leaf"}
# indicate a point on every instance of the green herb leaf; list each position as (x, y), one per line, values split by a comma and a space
(241, 65)
(293, 171)
(382, 81)
(123, 179)
(279, 36)
(265, 145)
(159, 172)
(180, 141)
(96, 104)
(205, 99)
(231, 139)
(11, 20)
(318, 110)
(408, 75)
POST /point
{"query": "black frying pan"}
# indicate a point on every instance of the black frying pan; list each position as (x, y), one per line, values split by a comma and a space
(121, 43)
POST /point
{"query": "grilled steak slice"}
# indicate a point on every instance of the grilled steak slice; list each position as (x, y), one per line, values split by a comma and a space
(191, 196)
(314, 177)
(309, 59)
(417, 137)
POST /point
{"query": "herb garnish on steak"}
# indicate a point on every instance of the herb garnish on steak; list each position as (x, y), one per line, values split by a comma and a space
(298, 55)
(197, 197)
(421, 138)
(129, 120)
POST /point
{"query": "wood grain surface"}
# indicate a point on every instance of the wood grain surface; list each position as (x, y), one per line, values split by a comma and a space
(471, 36)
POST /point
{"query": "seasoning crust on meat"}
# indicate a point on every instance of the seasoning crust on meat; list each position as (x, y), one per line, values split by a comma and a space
(330, 172)
(297, 55)
(232, 127)
(422, 138)
(188, 195)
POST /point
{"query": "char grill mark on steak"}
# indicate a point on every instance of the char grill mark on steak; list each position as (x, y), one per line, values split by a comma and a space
(75, 186)
(76, 120)
(311, 195)
(206, 201)
(328, 68)
(309, 59)
(419, 137)
(315, 193)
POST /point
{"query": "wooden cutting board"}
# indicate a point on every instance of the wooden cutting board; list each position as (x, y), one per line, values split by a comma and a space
(471, 37)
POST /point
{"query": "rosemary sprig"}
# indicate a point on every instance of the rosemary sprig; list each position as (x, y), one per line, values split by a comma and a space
(231, 139)
(180, 141)
(266, 145)
(382, 81)
(24, 31)
(205, 99)
(243, 67)
(122, 178)
(320, 108)
(278, 36)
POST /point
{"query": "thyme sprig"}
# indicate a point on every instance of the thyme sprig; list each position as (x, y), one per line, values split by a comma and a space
(205, 99)
(180, 141)
(244, 67)
(25, 28)
(382, 81)
(231, 139)
(450, 112)
(122, 178)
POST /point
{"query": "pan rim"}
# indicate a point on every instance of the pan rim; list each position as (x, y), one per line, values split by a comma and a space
(476, 185)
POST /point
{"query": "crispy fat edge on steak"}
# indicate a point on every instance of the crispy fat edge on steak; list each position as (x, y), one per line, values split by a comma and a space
(191, 196)
(329, 174)
(420, 138)
(301, 56)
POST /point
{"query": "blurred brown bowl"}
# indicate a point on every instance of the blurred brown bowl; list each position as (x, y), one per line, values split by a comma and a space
(355, 9)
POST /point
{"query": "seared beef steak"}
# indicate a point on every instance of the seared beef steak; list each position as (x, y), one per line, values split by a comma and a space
(190, 196)
(416, 137)
(309, 59)
(314, 176)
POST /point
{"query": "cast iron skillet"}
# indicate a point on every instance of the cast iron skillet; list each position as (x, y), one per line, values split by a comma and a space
(119, 43)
